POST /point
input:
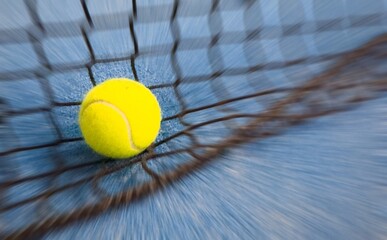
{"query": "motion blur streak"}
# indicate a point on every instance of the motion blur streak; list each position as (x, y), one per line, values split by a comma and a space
(274, 119)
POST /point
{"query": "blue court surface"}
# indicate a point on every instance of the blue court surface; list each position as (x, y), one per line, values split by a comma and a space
(322, 179)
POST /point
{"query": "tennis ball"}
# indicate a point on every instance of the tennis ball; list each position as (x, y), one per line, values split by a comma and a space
(119, 118)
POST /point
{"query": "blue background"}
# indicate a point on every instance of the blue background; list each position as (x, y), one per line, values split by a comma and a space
(325, 179)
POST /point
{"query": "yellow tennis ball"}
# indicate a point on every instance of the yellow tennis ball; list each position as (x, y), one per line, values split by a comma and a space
(119, 118)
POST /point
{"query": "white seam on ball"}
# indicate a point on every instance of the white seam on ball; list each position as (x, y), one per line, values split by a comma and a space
(131, 142)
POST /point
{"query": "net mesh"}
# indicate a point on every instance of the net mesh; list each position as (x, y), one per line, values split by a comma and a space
(350, 77)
